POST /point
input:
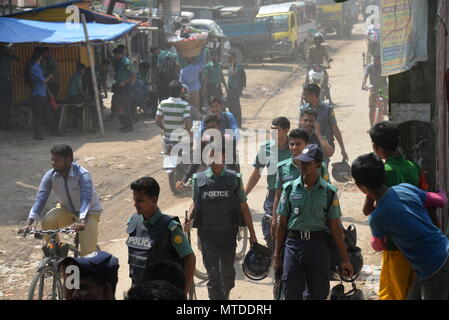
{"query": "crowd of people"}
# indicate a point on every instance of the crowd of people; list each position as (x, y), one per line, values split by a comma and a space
(302, 212)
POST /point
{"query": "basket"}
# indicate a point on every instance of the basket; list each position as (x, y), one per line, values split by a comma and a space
(189, 48)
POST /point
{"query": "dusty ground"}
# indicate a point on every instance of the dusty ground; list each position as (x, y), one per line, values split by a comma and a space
(117, 159)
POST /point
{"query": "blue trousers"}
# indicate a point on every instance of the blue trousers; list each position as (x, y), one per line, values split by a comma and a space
(306, 265)
(218, 250)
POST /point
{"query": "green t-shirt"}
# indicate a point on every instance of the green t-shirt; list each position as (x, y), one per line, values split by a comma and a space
(210, 174)
(400, 170)
(213, 72)
(267, 159)
(76, 83)
(306, 210)
(124, 70)
(178, 238)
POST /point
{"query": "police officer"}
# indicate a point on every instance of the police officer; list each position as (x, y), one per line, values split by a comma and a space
(308, 206)
(154, 236)
(125, 76)
(288, 170)
(267, 156)
(219, 207)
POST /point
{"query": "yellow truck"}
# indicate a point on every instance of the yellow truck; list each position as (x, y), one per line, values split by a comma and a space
(337, 17)
(292, 24)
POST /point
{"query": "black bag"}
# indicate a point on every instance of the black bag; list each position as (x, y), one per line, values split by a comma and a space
(338, 293)
(354, 252)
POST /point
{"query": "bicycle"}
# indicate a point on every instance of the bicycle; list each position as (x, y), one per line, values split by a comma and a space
(48, 268)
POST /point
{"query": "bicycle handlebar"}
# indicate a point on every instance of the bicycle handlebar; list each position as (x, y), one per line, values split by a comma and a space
(49, 232)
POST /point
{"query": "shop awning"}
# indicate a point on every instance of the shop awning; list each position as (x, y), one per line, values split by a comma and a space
(21, 31)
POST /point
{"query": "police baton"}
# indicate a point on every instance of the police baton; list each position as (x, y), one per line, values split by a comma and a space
(192, 291)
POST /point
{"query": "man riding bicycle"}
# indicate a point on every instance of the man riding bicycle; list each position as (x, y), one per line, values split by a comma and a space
(78, 201)
(316, 56)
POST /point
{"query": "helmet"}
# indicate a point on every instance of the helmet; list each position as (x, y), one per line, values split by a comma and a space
(338, 293)
(318, 35)
(256, 264)
(341, 171)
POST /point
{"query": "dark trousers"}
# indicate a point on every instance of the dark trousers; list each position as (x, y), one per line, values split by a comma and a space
(214, 90)
(6, 98)
(42, 116)
(306, 262)
(266, 220)
(434, 288)
(218, 250)
(233, 102)
(121, 107)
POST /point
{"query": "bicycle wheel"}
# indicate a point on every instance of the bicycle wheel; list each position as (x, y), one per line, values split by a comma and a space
(242, 243)
(48, 285)
(200, 269)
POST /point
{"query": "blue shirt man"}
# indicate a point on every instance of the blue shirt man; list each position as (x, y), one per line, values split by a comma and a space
(75, 194)
(37, 80)
(401, 214)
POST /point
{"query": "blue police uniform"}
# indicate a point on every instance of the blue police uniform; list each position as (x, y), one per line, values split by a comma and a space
(217, 216)
(306, 248)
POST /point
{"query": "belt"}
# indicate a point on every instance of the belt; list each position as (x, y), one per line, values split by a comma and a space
(306, 235)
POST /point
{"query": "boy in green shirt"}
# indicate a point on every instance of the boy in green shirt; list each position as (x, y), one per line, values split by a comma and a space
(397, 274)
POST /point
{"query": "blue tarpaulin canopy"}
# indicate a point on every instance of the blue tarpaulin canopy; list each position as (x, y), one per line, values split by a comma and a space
(20, 31)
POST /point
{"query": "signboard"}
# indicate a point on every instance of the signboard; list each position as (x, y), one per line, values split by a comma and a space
(403, 34)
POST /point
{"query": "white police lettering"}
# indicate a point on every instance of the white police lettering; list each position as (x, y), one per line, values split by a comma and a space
(143, 243)
(215, 194)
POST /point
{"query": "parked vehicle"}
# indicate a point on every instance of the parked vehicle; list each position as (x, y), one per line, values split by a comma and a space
(337, 17)
(250, 39)
(293, 24)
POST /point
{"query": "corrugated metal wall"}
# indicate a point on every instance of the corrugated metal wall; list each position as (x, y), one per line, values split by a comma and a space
(67, 58)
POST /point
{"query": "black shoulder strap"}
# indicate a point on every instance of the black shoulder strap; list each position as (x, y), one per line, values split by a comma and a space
(330, 198)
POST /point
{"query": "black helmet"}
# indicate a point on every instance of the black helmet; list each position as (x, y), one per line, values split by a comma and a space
(341, 171)
(338, 293)
(256, 264)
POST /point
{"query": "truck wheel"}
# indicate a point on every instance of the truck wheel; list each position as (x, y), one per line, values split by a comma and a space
(239, 54)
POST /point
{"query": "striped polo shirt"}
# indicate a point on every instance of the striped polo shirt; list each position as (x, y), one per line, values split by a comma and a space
(173, 111)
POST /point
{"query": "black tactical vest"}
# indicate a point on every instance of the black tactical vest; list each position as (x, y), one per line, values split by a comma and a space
(147, 246)
(218, 205)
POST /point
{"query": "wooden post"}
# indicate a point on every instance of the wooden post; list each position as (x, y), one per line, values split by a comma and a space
(93, 75)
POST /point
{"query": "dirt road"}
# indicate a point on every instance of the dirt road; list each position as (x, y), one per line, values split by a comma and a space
(116, 160)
